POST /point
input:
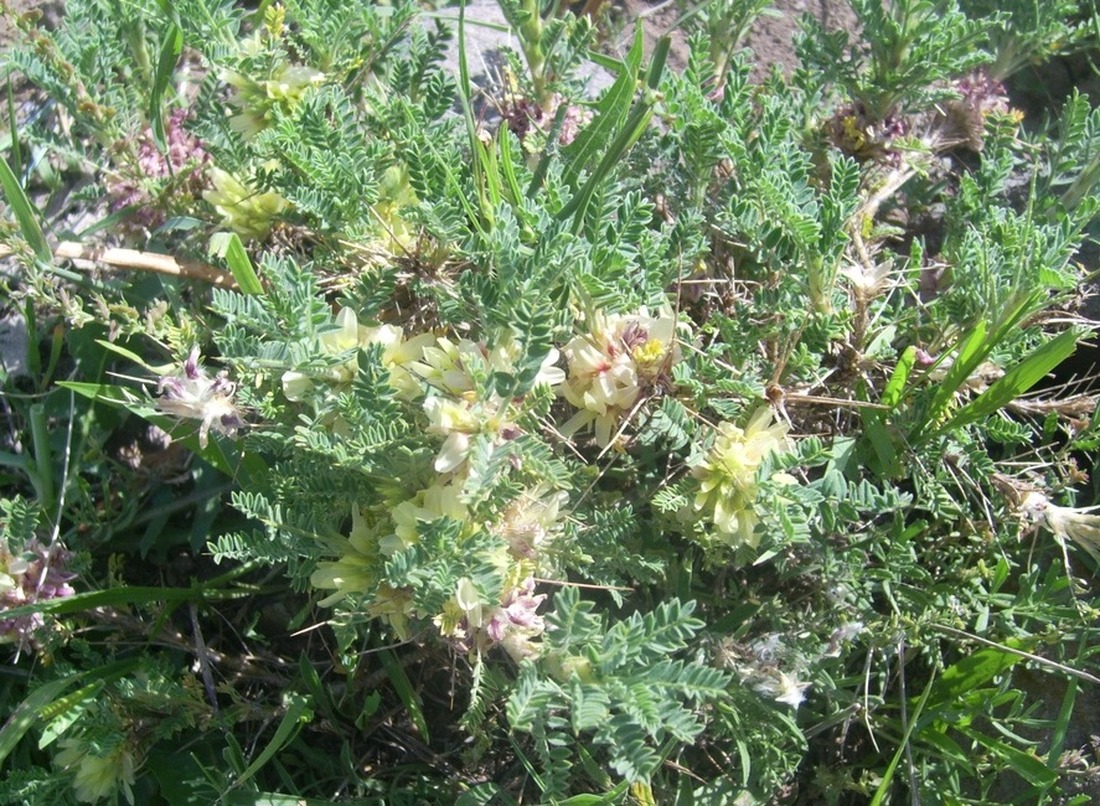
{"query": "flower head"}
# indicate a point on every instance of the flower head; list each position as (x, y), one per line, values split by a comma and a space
(197, 396)
(35, 574)
(781, 687)
(243, 209)
(257, 101)
(612, 364)
(97, 774)
(1075, 523)
(514, 624)
(451, 367)
(727, 476)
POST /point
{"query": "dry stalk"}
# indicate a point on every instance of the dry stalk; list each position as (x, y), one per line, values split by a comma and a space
(142, 261)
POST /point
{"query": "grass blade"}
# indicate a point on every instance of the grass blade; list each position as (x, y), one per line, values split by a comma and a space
(1017, 380)
(25, 213)
(13, 129)
(170, 48)
(297, 713)
(405, 690)
(228, 245)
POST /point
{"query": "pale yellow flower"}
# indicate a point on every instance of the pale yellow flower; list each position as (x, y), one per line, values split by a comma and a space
(349, 335)
(459, 420)
(96, 777)
(529, 521)
(257, 100)
(394, 606)
(612, 364)
(344, 337)
(356, 570)
(463, 614)
(398, 353)
(727, 477)
(503, 356)
(243, 209)
(450, 367)
(435, 502)
(456, 368)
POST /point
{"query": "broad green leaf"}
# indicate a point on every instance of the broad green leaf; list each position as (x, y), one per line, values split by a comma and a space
(891, 395)
(626, 137)
(614, 796)
(881, 442)
(228, 245)
(976, 669)
(130, 355)
(1017, 380)
(64, 711)
(968, 357)
(947, 747)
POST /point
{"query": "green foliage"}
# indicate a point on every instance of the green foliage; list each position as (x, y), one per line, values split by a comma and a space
(691, 440)
(906, 50)
(620, 682)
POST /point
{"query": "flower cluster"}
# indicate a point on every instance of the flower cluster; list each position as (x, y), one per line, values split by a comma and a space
(456, 411)
(346, 339)
(514, 624)
(256, 101)
(243, 208)
(450, 379)
(964, 118)
(195, 395)
(98, 773)
(522, 115)
(766, 665)
(35, 574)
(855, 131)
(395, 193)
(613, 365)
(728, 475)
(161, 180)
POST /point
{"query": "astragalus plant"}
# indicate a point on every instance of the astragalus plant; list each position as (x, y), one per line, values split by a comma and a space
(383, 435)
